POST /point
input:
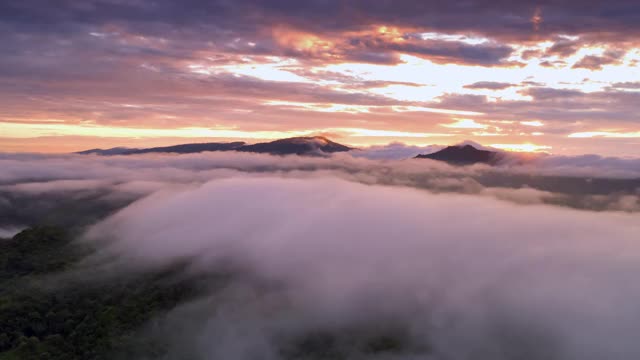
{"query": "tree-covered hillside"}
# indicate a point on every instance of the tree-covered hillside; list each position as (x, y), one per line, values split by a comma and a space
(52, 307)
(45, 316)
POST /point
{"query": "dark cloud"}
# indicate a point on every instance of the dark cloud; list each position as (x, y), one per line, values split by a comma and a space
(541, 93)
(531, 54)
(532, 83)
(596, 62)
(564, 48)
(230, 26)
(457, 52)
(483, 16)
(626, 85)
(553, 64)
(489, 85)
(563, 111)
(147, 31)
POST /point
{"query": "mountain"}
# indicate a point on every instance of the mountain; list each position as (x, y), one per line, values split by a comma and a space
(177, 149)
(463, 155)
(107, 152)
(312, 145)
(315, 145)
(191, 148)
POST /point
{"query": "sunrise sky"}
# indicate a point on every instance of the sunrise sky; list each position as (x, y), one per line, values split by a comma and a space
(561, 77)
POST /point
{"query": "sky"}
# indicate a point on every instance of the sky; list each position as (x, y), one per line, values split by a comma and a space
(560, 77)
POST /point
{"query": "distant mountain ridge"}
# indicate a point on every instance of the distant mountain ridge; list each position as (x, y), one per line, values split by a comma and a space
(309, 145)
(464, 155)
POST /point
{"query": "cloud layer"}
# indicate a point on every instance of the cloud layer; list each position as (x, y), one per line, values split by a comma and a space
(357, 258)
(78, 190)
(447, 276)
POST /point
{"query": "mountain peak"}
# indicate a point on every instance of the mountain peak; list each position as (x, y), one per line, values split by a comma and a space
(475, 145)
(309, 145)
(463, 154)
(306, 139)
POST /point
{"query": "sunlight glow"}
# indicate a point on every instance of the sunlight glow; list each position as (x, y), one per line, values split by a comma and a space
(605, 134)
(21, 130)
(521, 147)
(465, 124)
(434, 110)
(384, 133)
(302, 41)
(471, 40)
(25, 131)
(535, 123)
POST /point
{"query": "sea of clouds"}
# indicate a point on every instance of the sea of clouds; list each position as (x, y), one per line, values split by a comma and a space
(523, 261)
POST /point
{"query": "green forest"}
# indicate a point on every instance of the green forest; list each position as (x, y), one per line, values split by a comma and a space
(48, 316)
(51, 307)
